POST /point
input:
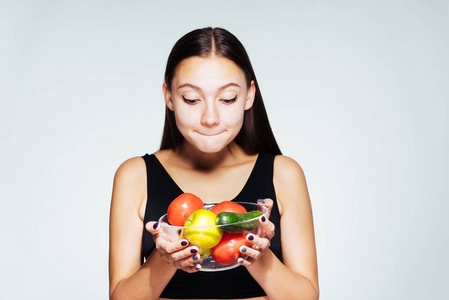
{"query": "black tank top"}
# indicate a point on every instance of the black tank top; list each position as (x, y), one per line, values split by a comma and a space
(230, 284)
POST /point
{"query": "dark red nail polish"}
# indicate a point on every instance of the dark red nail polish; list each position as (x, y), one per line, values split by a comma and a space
(193, 251)
(251, 237)
(184, 243)
(263, 219)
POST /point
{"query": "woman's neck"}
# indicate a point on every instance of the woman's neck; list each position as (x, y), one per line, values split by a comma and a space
(207, 161)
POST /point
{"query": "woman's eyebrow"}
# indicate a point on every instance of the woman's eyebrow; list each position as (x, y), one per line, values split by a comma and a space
(189, 85)
(229, 85)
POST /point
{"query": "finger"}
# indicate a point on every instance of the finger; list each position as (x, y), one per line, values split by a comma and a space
(192, 269)
(188, 253)
(268, 203)
(250, 253)
(243, 262)
(153, 227)
(182, 259)
(192, 260)
(266, 227)
(256, 241)
(162, 242)
(173, 247)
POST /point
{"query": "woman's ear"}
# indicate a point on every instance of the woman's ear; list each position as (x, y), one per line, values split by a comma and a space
(250, 96)
(167, 96)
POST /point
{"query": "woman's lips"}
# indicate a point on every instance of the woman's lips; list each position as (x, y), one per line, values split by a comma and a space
(210, 134)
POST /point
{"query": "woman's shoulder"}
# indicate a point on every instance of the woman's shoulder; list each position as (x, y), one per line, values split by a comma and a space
(286, 167)
(288, 179)
(131, 174)
(135, 168)
(130, 184)
(131, 167)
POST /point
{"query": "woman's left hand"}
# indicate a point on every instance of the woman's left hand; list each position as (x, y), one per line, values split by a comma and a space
(259, 243)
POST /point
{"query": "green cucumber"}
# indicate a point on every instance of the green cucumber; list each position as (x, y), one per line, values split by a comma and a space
(235, 222)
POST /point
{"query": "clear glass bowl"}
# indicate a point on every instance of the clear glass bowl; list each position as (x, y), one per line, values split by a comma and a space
(208, 264)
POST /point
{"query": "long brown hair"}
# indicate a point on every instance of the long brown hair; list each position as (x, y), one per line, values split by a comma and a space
(256, 135)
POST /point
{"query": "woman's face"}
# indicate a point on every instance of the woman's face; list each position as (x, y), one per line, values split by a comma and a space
(209, 96)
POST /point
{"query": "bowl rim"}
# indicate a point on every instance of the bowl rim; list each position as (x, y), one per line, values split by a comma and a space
(210, 205)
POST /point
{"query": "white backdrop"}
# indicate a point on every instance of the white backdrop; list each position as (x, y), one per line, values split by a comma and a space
(356, 91)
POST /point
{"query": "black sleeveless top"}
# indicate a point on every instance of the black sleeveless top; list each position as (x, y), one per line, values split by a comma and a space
(230, 284)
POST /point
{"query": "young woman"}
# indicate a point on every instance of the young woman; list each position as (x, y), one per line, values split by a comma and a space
(217, 144)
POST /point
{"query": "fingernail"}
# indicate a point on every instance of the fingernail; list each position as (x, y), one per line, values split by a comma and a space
(261, 201)
(244, 249)
(155, 225)
(193, 251)
(240, 261)
(197, 267)
(251, 237)
(263, 219)
(184, 243)
(196, 257)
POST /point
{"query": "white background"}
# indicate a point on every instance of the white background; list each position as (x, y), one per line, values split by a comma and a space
(356, 91)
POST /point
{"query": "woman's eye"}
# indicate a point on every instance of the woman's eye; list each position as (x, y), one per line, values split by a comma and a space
(229, 101)
(189, 101)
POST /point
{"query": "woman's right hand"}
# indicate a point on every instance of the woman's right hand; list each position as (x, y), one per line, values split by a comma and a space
(177, 254)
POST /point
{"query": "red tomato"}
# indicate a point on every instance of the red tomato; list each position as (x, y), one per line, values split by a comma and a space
(182, 207)
(227, 250)
(228, 206)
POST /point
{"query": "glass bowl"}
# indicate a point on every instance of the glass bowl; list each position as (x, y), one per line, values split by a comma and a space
(208, 264)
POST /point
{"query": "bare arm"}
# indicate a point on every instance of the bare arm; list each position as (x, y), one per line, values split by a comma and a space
(127, 278)
(297, 277)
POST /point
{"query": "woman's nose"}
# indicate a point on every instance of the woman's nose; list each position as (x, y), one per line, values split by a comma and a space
(210, 116)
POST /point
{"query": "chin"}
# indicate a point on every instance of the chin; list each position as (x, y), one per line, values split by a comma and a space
(211, 149)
